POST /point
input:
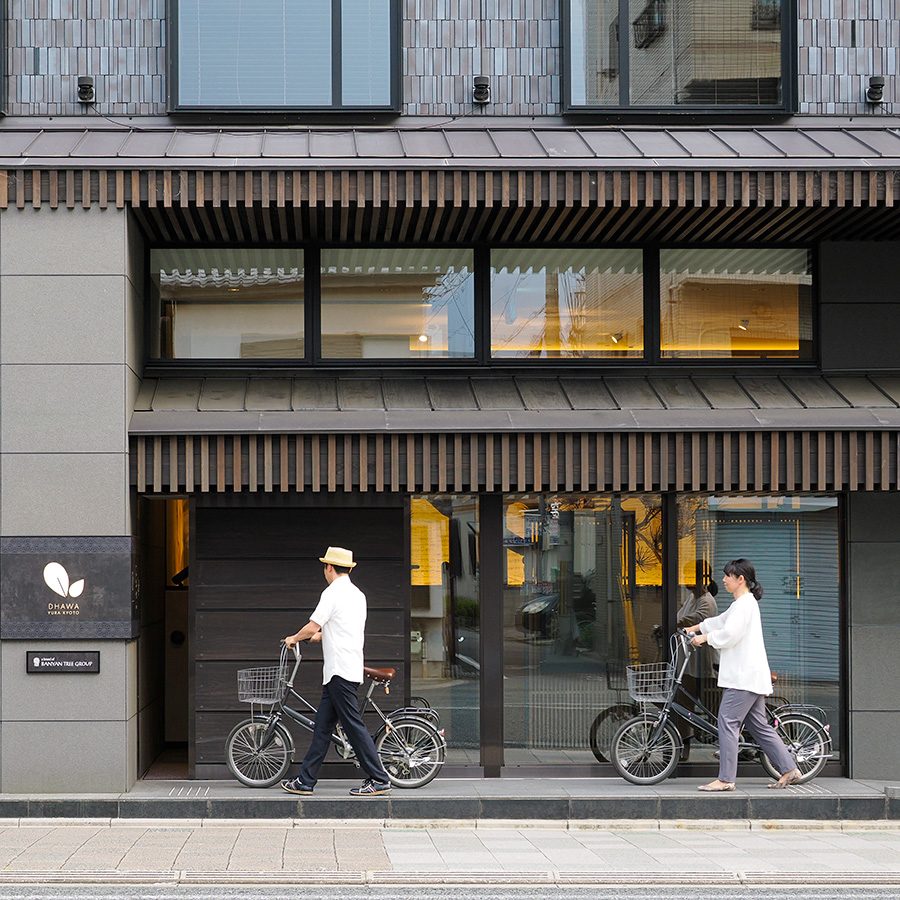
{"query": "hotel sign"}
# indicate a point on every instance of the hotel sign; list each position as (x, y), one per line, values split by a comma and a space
(62, 662)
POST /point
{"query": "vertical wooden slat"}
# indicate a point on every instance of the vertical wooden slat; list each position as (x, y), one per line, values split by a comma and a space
(189, 464)
(300, 464)
(664, 462)
(379, 462)
(410, 462)
(220, 463)
(157, 465)
(348, 462)
(869, 475)
(853, 460)
(805, 462)
(758, 484)
(695, 461)
(173, 464)
(504, 462)
(710, 461)
(331, 463)
(315, 461)
(885, 478)
(632, 461)
(726, 462)
(283, 452)
(617, 462)
(204, 464)
(395, 463)
(600, 453)
(790, 473)
(837, 479)
(442, 462)
(426, 462)
(742, 461)
(268, 463)
(774, 468)
(252, 471)
(584, 446)
(537, 472)
(553, 460)
(237, 462)
(521, 481)
(141, 464)
(820, 461)
(648, 462)
(363, 451)
(679, 461)
(472, 441)
(569, 452)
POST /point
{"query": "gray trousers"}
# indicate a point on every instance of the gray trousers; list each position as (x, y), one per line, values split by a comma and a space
(748, 709)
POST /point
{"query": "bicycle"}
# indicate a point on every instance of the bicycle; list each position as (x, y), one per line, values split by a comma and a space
(259, 751)
(647, 748)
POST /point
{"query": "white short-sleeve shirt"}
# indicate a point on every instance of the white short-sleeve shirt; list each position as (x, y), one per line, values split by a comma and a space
(341, 614)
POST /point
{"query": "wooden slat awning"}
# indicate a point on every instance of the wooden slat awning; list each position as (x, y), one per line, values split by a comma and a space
(511, 462)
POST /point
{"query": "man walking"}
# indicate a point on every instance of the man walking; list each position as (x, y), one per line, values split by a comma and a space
(339, 623)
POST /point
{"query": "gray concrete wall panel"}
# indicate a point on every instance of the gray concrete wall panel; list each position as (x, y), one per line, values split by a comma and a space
(445, 43)
(103, 697)
(50, 319)
(52, 757)
(80, 494)
(859, 337)
(64, 409)
(873, 737)
(874, 518)
(859, 272)
(873, 579)
(63, 242)
(876, 668)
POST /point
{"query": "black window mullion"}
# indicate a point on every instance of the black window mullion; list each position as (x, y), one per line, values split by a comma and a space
(490, 604)
(652, 334)
(337, 55)
(624, 55)
(312, 261)
(482, 262)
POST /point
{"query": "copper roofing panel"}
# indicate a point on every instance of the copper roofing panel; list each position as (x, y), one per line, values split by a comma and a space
(497, 393)
(99, 143)
(679, 393)
(519, 144)
(587, 393)
(542, 393)
(379, 144)
(286, 145)
(222, 394)
(768, 392)
(633, 393)
(861, 392)
(190, 145)
(563, 144)
(360, 393)
(747, 143)
(610, 144)
(314, 393)
(448, 393)
(177, 393)
(794, 143)
(241, 144)
(814, 392)
(147, 144)
(657, 143)
(405, 393)
(53, 145)
(331, 144)
(723, 393)
(890, 384)
(885, 141)
(425, 144)
(471, 144)
(704, 144)
(268, 393)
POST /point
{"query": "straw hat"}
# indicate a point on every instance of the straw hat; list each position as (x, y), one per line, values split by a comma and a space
(338, 556)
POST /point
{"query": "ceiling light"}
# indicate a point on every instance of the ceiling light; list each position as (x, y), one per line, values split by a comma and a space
(616, 337)
(744, 325)
(423, 338)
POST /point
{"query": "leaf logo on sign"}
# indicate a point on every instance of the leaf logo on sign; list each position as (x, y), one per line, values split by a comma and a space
(57, 579)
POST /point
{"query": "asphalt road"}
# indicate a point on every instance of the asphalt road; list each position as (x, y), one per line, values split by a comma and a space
(546, 892)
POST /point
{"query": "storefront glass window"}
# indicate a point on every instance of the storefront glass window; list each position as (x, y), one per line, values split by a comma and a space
(794, 545)
(735, 304)
(582, 599)
(555, 304)
(444, 640)
(397, 304)
(228, 304)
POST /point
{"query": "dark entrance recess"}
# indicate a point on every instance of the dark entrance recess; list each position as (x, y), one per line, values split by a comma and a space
(255, 577)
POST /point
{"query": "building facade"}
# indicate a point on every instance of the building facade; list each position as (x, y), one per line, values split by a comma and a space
(545, 308)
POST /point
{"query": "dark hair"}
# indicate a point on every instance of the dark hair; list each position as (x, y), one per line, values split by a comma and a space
(738, 567)
(712, 588)
(341, 570)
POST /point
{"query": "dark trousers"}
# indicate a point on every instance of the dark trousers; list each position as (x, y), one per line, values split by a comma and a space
(340, 702)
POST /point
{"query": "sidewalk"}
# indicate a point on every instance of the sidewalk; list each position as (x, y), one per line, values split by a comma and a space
(472, 800)
(307, 852)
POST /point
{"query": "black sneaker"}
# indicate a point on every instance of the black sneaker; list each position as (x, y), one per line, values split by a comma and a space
(371, 788)
(296, 786)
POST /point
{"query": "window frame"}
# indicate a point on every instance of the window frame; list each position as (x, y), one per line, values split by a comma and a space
(482, 362)
(176, 107)
(625, 110)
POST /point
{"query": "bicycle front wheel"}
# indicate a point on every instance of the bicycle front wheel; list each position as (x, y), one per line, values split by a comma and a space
(808, 742)
(254, 761)
(411, 751)
(605, 726)
(642, 758)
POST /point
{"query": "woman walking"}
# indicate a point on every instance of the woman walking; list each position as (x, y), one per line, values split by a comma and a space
(745, 677)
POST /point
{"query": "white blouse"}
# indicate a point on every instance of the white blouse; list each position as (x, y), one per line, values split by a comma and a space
(737, 635)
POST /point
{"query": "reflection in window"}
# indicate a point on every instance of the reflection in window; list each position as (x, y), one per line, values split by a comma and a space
(794, 545)
(731, 304)
(687, 53)
(269, 54)
(444, 645)
(397, 304)
(582, 599)
(553, 304)
(228, 304)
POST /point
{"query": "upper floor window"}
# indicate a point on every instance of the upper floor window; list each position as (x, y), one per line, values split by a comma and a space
(679, 55)
(275, 55)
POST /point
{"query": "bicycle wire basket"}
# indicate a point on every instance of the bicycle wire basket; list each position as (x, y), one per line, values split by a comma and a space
(651, 682)
(264, 684)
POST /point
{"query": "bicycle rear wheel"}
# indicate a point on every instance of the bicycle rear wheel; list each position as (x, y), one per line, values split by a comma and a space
(411, 751)
(808, 742)
(252, 763)
(605, 726)
(641, 758)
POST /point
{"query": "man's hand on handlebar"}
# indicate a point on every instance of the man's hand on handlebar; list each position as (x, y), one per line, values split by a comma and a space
(309, 632)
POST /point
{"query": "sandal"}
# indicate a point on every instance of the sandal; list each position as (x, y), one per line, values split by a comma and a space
(786, 780)
(717, 787)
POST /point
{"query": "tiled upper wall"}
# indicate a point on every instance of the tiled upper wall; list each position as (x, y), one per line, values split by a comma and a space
(121, 43)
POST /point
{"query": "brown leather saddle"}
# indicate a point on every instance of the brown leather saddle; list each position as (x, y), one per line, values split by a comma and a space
(380, 676)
